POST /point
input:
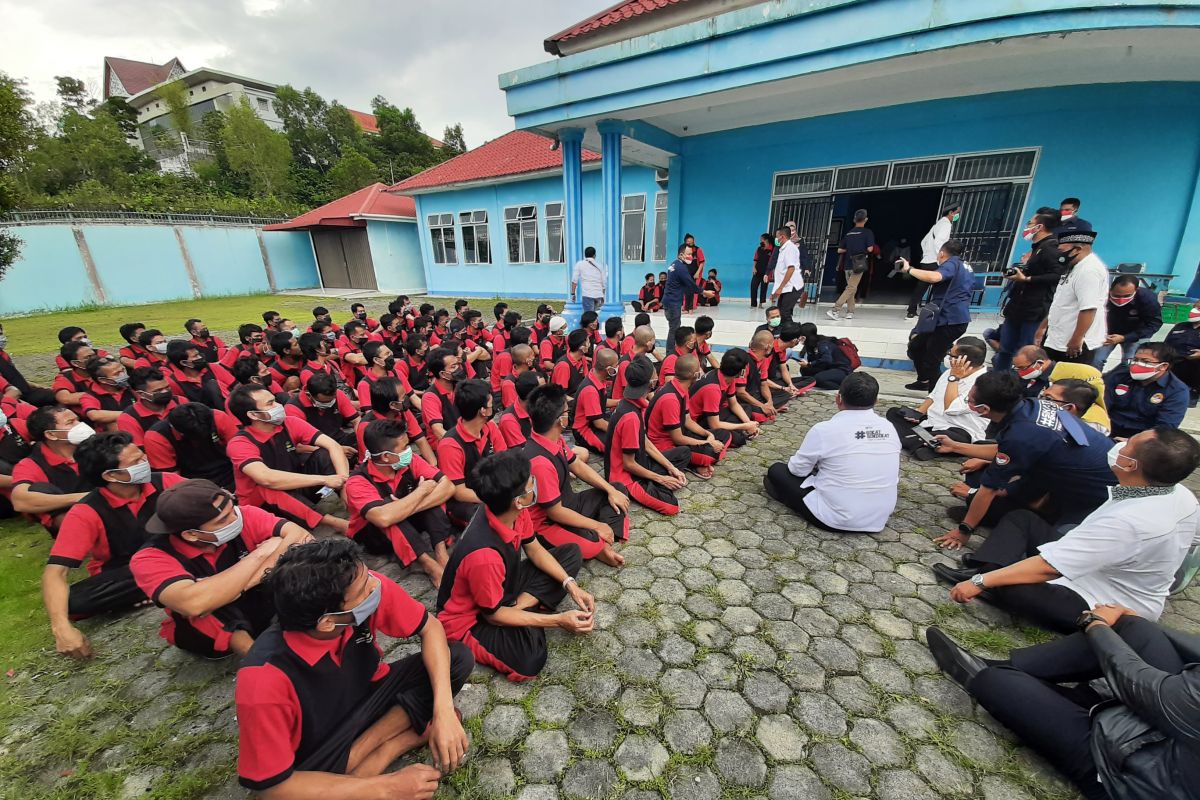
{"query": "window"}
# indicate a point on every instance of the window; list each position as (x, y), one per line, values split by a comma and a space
(874, 176)
(477, 246)
(660, 227)
(554, 233)
(521, 234)
(441, 234)
(930, 172)
(814, 181)
(263, 105)
(633, 227)
(994, 166)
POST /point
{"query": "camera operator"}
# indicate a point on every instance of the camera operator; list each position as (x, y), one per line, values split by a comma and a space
(1031, 286)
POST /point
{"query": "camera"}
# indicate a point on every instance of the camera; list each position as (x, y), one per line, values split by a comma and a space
(1011, 270)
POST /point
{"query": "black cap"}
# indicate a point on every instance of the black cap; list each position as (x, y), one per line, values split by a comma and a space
(186, 506)
(637, 377)
(1077, 235)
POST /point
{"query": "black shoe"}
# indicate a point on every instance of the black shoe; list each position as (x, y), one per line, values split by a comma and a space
(948, 574)
(911, 315)
(959, 665)
(918, 386)
(957, 513)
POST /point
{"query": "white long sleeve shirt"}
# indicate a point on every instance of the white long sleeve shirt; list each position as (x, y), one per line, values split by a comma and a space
(938, 235)
(940, 416)
(591, 276)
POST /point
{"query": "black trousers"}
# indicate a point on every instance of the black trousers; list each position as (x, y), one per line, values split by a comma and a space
(759, 288)
(1026, 696)
(114, 589)
(909, 440)
(829, 378)
(736, 438)
(928, 349)
(787, 302)
(780, 484)
(523, 650)
(423, 531)
(672, 313)
(460, 513)
(1188, 371)
(593, 504)
(406, 685)
(1086, 356)
(1015, 538)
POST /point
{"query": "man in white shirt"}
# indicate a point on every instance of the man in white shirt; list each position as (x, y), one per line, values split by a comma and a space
(1077, 325)
(591, 278)
(845, 475)
(789, 279)
(938, 235)
(945, 411)
(1126, 552)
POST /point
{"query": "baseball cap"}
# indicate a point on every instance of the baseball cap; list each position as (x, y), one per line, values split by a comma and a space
(637, 377)
(557, 324)
(186, 506)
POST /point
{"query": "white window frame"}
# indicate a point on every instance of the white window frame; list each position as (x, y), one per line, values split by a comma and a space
(558, 220)
(475, 220)
(659, 252)
(524, 221)
(441, 232)
(628, 212)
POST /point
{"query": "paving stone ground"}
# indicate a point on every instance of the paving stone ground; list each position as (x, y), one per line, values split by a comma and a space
(739, 654)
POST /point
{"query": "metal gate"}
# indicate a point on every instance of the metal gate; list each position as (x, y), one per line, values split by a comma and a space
(344, 259)
(812, 216)
(991, 213)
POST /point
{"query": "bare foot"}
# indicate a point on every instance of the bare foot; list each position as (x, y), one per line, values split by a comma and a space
(611, 557)
(960, 490)
(704, 473)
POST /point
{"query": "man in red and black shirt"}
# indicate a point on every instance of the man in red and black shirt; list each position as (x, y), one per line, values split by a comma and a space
(381, 363)
(269, 469)
(541, 325)
(319, 356)
(285, 367)
(204, 563)
(593, 519)
(571, 368)
(509, 365)
(643, 345)
(614, 334)
(789, 336)
(154, 344)
(211, 346)
(633, 461)
(490, 595)
(132, 351)
(589, 412)
(191, 376)
(669, 425)
(108, 395)
(328, 409)
(251, 338)
(359, 312)
(704, 326)
(475, 437)
(553, 345)
(153, 399)
(193, 440)
(391, 400)
(349, 349)
(713, 399)
(320, 713)
(437, 405)
(685, 345)
(105, 528)
(46, 483)
(73, 382)
(761, 397)
(496, 334)
(649, 296)
(514, 422)
(411, 366)
(73, 333)
(396, 501)
(15, 446)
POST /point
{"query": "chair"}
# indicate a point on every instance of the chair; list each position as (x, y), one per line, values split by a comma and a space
(1130, 268)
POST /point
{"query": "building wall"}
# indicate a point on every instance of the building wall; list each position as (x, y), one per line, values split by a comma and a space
(396, 254)
(145, 264)
(504, 279)
(1131, 152)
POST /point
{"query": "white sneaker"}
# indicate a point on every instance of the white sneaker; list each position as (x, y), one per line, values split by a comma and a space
(832, 314)
(850, 315)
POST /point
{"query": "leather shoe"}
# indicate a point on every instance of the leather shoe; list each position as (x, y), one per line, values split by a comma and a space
(948, 574)
(959, 665)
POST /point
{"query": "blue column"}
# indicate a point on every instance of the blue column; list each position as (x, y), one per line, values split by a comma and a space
(610, 178)
(571, 142)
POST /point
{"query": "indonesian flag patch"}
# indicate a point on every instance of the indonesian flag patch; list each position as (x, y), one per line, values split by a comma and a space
(1122, 388)
(1002, 460)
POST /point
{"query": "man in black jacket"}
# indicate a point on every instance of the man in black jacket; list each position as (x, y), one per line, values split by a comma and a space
(1134, 315)
(1031, 287)
(1143, 745)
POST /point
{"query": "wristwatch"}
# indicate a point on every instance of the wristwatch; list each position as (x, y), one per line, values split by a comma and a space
(977, 580)
(965, 529)
(567, 581)
(952, 379)
(1087, 618)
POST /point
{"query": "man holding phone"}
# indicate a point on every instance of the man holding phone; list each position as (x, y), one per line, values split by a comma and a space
(945, 411)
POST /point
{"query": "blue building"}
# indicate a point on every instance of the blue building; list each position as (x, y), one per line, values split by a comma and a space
(724, 118)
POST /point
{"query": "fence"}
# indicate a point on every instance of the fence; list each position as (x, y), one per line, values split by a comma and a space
(100, 217)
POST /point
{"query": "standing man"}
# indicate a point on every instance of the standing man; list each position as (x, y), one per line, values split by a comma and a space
(1068, 211)
(789, 281)
(679, 282)
(1075, 328)
(854, 256)
(1133, 315)
(592, 277)
(1030, 287)
(938, 235)
(945, 317)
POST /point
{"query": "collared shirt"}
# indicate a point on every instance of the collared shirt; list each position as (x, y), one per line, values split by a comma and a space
(591, 276)
(953, 292)
(453, 459)
(1140, 405)
(856, 459)
(1085, 288)
(679, 283)
(479, 580)
(1128, 550)
(938, 235)
(362, 497)
(939, 417)
(1140, 318)
(789, 257)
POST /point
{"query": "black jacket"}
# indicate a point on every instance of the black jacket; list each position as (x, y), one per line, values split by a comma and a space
(1138, 319)
(1030, 300)
(1146, 743)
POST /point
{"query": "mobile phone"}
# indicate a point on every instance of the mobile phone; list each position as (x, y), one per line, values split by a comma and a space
(925, 436)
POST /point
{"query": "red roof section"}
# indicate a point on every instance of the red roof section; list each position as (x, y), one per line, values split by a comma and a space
(614, 15)
(513, 153)
(137, 76)
(374, 200)
(369, 124)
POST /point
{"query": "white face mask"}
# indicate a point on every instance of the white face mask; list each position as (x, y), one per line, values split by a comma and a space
(227, 533)
(80, 433)
(138, 473)
(1115, 456)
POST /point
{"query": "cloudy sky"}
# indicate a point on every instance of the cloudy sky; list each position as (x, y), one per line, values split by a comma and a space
(440, 57)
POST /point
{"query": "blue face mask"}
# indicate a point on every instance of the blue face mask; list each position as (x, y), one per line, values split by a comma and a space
(363, 611)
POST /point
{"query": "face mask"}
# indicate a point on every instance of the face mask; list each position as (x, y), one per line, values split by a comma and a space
(1067, 257)
(533, 499)
(1029, 232)
(387, 364)
(196, 363)
(1114, 458)
(1066, 215)
(3, 419)
(276, 414)
(1120, 301)
(1032, 372)
(160, 348)
(400, 408)
(158, 398)
(86, 341)
(361, 315)
(775, 322)
(330, 336)
(202, 333)
(1142, 372)
(227, 533)
(295, 332)
(318, 404)
(955, 217)
(120, 381)
(1193, 316)
(138, 473)
(777, 242)
(459, 374)
(80, 433)
(3, 341)
(403, 459)
(981, 410)
(359, 340)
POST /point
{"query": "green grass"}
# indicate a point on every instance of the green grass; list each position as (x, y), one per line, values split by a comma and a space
(23, 550)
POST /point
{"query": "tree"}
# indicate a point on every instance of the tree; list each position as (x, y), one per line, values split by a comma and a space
(352, 172)
(73, 94)
(401, 142)
(318, 132)
(125, 115)
(256, 152)
(88, 148)
(175, 95)
(453, 143)
(16, 136)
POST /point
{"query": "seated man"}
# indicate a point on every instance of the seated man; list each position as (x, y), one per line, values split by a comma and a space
(492, 599)
(1127, 551)
(475, 437)
(29, 392)
(396, 501)
(154, 347)
(1042, 458)
(250, 343)
(570, 370)
(589, 412)
(649, 296)
(191, 376)
(211, 346)
(668, 424)
(553, 345)
(349, 349)
(643, 344)
(614, 334)
(132, 351)
(319, 354)
(1145, 393)
(633, 461)
(73, 333)
(328, 409)
(153, 400)
(593, 519)
(713, 284)
(824, 360)
(1037, 370)
(108, 394)
(73, 382)
(204, 563)
(105, 528)
(437, 405)
(762, 395)
(713, 403)
(846, 474)
(783, 350)
(288, 362)
(1140, 745)
(1184, 338)
(381, 363)
(704, 326)
(685, 345)
(945, 411)
(773, 323)
(193, 440)
(390, 400)
(522, 359)
(514, 423)
(46, 483)
(269, 467)
(14, 448)
(319, 712)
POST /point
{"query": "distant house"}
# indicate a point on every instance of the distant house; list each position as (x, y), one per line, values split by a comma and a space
(369, 125)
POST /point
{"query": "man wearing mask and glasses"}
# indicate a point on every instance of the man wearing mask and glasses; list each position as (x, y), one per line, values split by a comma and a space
(204, 564)
(105, 529)
(1145, 393)
(1133, 314)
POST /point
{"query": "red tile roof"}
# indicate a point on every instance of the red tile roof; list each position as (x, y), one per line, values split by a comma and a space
(369, 124)
(137, 76)
(615, 15)
(513, 153)
(372, 200)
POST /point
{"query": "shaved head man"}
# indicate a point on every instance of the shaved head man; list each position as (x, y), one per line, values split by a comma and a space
(643, 345)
